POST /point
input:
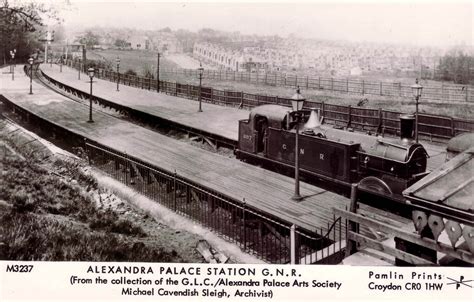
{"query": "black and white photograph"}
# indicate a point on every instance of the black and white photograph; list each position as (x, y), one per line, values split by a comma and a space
(235, 150)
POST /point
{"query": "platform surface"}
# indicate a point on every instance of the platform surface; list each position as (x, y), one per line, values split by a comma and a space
(262, 189)
(214, 118)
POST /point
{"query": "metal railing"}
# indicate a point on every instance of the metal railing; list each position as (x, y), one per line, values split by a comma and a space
(366, 119)
(268, 238)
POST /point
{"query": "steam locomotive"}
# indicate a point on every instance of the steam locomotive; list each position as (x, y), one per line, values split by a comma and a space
(381, 166)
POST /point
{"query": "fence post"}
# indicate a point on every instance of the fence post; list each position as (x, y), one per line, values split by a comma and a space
(351, 246)
(322, 108)
(245, 227)
(347, 85)
(241, 100)
(307, 84)
(399, 88)
(285, 79)
(380, 125)
(467, 94)
(453, 128)
(294, 246)
(212, 95)
(174, 190)
(296, 80)
(266, 78)
(332, 84)
(349, 117)
(126, 167)
(319, 83)
(380, 88)
(363, 87)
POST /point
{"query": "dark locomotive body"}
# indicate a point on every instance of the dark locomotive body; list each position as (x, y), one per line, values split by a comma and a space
(380, 165)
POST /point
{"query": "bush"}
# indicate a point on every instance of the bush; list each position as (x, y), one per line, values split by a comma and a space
(130, 72)
(109, 221)
(22, 203)
(31, 237)
(126, 227)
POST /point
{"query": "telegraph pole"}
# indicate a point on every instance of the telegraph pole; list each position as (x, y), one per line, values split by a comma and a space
(49, 38)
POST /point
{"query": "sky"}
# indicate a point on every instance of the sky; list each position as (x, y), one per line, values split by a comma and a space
(416, 22)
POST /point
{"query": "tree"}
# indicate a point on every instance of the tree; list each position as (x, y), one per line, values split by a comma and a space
(166, 30)
(21, 24)
(89, 39)
(455, 66)
(121, 44)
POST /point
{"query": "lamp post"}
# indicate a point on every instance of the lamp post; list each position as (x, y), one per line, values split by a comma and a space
(12, 54)
(31, 61)
(297, 101)
(118, 73)
(61, 63)
(200, 72)
(416, 89)
(90, 72)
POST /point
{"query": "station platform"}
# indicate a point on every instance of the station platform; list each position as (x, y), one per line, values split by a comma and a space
(214, 118)
(263, 190)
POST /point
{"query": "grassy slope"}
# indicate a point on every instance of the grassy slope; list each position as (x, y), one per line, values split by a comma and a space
(49, 213)
(134, 60)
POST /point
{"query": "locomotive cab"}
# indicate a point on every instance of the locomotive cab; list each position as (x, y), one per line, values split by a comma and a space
(269, 136)
(254, 131)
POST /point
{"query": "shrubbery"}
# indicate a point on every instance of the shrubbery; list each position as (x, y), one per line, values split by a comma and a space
(50, 218)
(27, 236)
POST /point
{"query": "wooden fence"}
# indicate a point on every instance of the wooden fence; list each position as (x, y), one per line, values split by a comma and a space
(366, 119)
(441, 92)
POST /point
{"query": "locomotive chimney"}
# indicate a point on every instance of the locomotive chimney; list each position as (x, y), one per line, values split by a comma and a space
(314, 120)
(407, 127)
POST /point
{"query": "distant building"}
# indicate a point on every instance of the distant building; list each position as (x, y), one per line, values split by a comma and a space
(167, 43)
(230, 59)
(139, 43)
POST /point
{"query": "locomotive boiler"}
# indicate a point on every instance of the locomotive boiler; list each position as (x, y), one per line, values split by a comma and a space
(382, 166)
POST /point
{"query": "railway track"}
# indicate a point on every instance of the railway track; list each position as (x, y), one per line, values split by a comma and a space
(137, 116)
(379, 201)
(40, 79)
(210, 191)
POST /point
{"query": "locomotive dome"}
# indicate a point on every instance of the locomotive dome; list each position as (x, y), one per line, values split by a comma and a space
(271, 112)
(461, 142)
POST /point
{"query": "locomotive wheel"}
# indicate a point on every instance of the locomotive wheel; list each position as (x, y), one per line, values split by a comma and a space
(374, 184)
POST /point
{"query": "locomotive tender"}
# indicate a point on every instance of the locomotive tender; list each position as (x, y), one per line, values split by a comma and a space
(382, 166)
